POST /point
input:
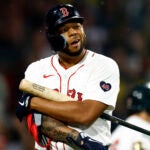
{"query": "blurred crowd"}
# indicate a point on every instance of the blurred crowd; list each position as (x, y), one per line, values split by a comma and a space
(119, 29)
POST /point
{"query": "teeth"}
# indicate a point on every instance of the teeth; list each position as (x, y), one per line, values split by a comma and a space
(77, 41)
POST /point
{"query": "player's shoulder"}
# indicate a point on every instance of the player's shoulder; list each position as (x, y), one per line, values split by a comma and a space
(102, 59)
(40, 63)
(141, 123)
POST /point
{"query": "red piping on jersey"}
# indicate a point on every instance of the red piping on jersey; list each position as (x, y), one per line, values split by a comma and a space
(60, 75)
(57, 146)
(72, 75)
(57, 73)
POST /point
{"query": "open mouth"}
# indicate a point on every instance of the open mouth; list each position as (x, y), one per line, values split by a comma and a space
(75, 42)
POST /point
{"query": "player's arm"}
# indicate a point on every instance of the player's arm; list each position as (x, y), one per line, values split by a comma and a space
(52, 128)
(70, 112)
(57, 130)
(49, 130)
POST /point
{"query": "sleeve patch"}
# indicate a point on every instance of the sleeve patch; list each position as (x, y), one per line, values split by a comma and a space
(105, 86)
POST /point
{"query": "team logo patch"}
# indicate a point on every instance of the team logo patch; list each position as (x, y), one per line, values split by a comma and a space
(64, 11)
(105, 86)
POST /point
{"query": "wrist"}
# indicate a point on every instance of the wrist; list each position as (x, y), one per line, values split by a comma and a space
(36, 103)
(80, 138)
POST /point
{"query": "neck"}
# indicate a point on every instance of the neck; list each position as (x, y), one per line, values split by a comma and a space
(144, 115)
(68, 61)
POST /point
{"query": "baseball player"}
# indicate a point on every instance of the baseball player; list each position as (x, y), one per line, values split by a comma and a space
(138, 107)
(90, 78)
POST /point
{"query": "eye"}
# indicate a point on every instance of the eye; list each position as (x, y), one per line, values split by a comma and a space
(64, 29)
(76, 26)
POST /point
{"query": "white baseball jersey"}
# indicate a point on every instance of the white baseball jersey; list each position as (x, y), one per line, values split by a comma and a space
(124, 138)
(94, 77)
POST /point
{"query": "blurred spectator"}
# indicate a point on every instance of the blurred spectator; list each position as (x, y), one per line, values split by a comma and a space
(138, 113)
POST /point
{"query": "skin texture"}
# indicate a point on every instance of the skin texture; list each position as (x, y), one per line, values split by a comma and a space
(143, 115)
(71, 112)
(74, 113)
(53, 128)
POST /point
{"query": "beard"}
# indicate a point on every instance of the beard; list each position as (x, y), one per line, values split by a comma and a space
(77, 53)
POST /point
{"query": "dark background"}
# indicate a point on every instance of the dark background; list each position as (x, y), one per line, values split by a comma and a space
(119, 29)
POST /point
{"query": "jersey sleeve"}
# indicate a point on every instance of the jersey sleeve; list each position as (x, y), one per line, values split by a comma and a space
(103, 84)
(33, 72)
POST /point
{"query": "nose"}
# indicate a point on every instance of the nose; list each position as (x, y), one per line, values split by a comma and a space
(72, 31)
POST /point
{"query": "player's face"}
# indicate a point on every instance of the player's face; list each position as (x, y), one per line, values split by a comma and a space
(75, 38)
